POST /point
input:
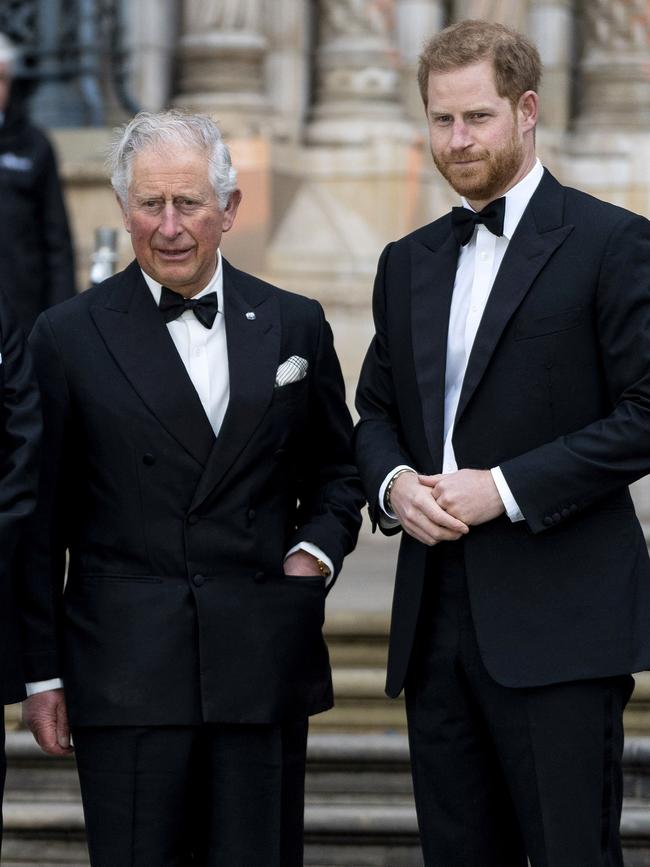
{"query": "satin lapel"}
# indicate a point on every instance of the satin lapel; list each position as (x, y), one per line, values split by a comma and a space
(137, 338)
(538, 235)
(433, 273)
(253, 358)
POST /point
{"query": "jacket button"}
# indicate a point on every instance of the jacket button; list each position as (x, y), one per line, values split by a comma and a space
(279, 454)
(259, 577)
(565, 512)
(573, 508)
(198, 580)
(548, 520)
(251, 514)
(193, 519)
(556, 517)
(148, 459)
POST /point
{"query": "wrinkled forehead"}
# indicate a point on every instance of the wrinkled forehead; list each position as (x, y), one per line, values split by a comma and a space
(168, 162)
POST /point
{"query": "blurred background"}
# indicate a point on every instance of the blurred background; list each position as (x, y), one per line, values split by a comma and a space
(319, 103)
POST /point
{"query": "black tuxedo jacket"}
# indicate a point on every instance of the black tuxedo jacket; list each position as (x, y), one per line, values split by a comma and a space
(556, 393)
(176, 609)
(20, 435)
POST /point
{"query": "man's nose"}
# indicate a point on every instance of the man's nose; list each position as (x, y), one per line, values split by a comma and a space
(170, 224)
(460, 137)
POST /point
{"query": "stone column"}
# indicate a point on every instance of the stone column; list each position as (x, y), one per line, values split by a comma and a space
(417, 21)
(357, 79)
(221, 53)
(150, 32)
(288, 66)
(550, 26)
(615, 65)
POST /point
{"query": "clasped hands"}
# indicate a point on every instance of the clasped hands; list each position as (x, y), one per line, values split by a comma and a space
(443, 507)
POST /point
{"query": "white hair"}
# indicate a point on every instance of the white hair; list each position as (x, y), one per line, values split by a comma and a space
(175, 128)
(8, 52)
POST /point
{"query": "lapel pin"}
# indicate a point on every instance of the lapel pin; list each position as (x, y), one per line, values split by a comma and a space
(250, 315)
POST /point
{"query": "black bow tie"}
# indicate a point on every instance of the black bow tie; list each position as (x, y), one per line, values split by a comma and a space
(172, 305)
(463, 220)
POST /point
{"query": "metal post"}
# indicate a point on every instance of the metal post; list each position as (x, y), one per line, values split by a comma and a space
(104, 257)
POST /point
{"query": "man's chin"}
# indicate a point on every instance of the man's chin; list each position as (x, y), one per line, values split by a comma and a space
(474, 186)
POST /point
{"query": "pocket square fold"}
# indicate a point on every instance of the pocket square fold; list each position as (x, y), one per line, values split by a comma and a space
(292, 370)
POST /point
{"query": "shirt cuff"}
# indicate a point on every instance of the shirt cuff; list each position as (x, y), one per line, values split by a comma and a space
(316, 552)
(43, 685)
(512, 509)
(391, 516)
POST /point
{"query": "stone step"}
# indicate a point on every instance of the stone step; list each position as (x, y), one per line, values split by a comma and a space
(359, 807)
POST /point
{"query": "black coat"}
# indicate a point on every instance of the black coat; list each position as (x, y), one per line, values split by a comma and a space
(176, 608)
(20, 437)
(556, 393)
(36, 258)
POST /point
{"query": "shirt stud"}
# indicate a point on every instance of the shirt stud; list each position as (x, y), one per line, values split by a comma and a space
(250, 315)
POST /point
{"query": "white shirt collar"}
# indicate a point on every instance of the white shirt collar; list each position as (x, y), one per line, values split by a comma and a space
(517, 199)
(215, 285)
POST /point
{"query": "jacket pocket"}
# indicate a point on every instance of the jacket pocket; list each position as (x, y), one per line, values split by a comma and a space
(562, 321)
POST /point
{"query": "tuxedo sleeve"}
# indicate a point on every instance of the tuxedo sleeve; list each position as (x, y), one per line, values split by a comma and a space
(329, 491)
(586, 466)
(45, 554)
(378, 445)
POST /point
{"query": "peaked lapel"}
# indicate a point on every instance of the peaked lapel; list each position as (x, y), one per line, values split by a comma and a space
(137, 338)
(539, 234)
(433, 273)
(253, 357)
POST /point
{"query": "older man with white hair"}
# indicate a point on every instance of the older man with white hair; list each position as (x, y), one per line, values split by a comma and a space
(197, 468)
(36, 254)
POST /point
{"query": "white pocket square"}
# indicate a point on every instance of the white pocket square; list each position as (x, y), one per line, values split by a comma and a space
(292, 370)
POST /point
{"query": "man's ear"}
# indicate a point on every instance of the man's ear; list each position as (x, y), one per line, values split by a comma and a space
(230, 211)
(528, 110)
(125, 214)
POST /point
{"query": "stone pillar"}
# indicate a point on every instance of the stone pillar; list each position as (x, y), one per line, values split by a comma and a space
(417, 21)
(150, 32)
(221, 53)
(615, 65)
(357, 77)
(550, 26)
(288, 67)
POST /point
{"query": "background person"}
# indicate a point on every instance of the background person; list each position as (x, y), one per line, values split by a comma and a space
(36, 256)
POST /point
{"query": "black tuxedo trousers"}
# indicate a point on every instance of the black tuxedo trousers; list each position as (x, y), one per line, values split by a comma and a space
(506, 775)
(193, 796)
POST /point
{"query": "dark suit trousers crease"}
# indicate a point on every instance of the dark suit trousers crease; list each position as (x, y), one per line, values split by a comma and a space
(504, 774)
(197, 796)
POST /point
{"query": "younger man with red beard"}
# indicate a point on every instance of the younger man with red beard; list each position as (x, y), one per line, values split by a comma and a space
(505, 409)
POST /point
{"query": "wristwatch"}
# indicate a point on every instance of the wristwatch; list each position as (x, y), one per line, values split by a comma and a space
(324, 569)
(389, 487)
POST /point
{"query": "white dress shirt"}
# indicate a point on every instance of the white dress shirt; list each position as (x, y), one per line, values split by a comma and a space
(204, 352)
(478, 264)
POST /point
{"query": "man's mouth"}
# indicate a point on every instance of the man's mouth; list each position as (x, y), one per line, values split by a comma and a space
(173, 255)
